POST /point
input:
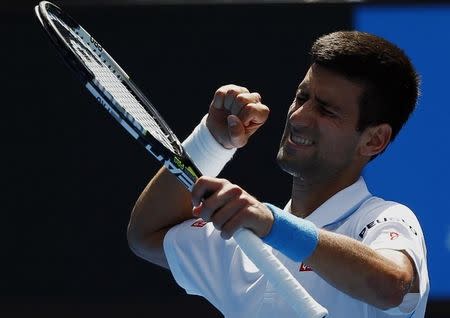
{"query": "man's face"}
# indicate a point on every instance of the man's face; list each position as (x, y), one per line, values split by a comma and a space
(320, 137)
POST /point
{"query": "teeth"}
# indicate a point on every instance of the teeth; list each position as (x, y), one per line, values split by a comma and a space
(301, 141)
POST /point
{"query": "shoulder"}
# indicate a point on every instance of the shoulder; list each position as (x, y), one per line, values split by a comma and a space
(377, 211)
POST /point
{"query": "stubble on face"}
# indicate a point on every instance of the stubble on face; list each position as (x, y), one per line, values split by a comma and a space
(332, 142)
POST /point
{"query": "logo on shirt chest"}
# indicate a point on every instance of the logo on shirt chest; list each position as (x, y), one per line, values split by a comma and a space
(199, 223)
(305, 268)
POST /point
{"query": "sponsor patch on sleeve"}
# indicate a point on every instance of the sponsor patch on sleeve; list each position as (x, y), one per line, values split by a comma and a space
(383, 220)
(393, 235)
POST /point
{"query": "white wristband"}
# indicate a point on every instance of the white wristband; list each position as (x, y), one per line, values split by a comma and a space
(205, 151)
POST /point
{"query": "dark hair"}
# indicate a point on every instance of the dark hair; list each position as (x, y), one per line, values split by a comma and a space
(392, 84)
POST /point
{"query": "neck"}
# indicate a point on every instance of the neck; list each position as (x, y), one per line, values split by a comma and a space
(309, 194)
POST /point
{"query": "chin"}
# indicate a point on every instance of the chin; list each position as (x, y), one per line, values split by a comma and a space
(305, 166)
(288, 164)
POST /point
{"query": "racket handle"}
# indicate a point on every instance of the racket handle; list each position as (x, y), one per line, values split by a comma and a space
(278, 275)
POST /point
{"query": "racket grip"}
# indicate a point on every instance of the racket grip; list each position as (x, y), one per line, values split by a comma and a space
(278, 275)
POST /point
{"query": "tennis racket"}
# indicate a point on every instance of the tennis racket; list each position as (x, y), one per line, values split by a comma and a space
(114, 90)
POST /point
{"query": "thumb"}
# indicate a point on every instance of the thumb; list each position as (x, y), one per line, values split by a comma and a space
(236, 131)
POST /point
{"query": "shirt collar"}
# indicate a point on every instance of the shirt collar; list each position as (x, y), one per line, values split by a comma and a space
(340, 206)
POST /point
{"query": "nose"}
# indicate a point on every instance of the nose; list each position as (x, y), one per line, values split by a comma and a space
(301, 116)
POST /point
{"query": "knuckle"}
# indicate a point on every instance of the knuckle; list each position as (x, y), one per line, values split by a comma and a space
(242, 98)
(200, 181)
(221, 91)
(232, 92)
(244, 202)
(262, 108)
(235, 190)
(223, 181)
(245, 199)
(253, 108)
(239, 89)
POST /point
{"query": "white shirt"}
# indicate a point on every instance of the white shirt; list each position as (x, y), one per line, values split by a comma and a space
(206, 265)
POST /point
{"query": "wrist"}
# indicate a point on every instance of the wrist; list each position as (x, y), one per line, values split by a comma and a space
(295, 237)
(205, 151)
(212, 128)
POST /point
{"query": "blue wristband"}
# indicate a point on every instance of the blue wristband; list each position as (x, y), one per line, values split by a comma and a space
(295, 237)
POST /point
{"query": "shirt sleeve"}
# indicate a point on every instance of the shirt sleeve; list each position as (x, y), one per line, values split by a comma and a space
(204, 264)
(395, 227)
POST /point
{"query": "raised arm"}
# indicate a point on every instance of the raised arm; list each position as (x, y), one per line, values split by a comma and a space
(234, 115)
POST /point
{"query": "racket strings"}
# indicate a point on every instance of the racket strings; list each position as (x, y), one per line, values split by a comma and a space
(106, 79)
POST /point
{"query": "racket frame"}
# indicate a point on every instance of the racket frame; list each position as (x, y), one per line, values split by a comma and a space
(177, 161)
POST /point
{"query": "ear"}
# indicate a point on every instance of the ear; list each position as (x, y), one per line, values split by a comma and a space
(375, 139)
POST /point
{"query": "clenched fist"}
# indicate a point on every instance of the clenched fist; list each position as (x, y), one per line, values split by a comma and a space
(234, 115)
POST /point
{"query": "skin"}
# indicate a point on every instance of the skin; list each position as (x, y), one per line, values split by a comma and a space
(323, 152)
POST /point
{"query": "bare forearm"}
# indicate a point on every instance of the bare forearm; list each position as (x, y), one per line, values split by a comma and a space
(163, 203)
(234, 115)
(361, 272)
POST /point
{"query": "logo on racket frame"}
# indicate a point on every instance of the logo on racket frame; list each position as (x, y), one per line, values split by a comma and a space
(176, 167)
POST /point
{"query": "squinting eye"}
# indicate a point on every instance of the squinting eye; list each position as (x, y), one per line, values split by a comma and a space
(326, 112)
(301, 98)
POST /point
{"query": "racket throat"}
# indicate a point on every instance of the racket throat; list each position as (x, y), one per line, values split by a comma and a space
(181, 175)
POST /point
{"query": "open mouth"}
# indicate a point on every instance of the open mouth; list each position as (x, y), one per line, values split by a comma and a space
(300, 140)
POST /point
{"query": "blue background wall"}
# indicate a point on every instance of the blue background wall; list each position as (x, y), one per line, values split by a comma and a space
(415, 169)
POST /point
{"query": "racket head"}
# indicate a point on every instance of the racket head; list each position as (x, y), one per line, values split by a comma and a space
(115, 91)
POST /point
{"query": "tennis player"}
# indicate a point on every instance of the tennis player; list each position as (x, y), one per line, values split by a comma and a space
(356, 254)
